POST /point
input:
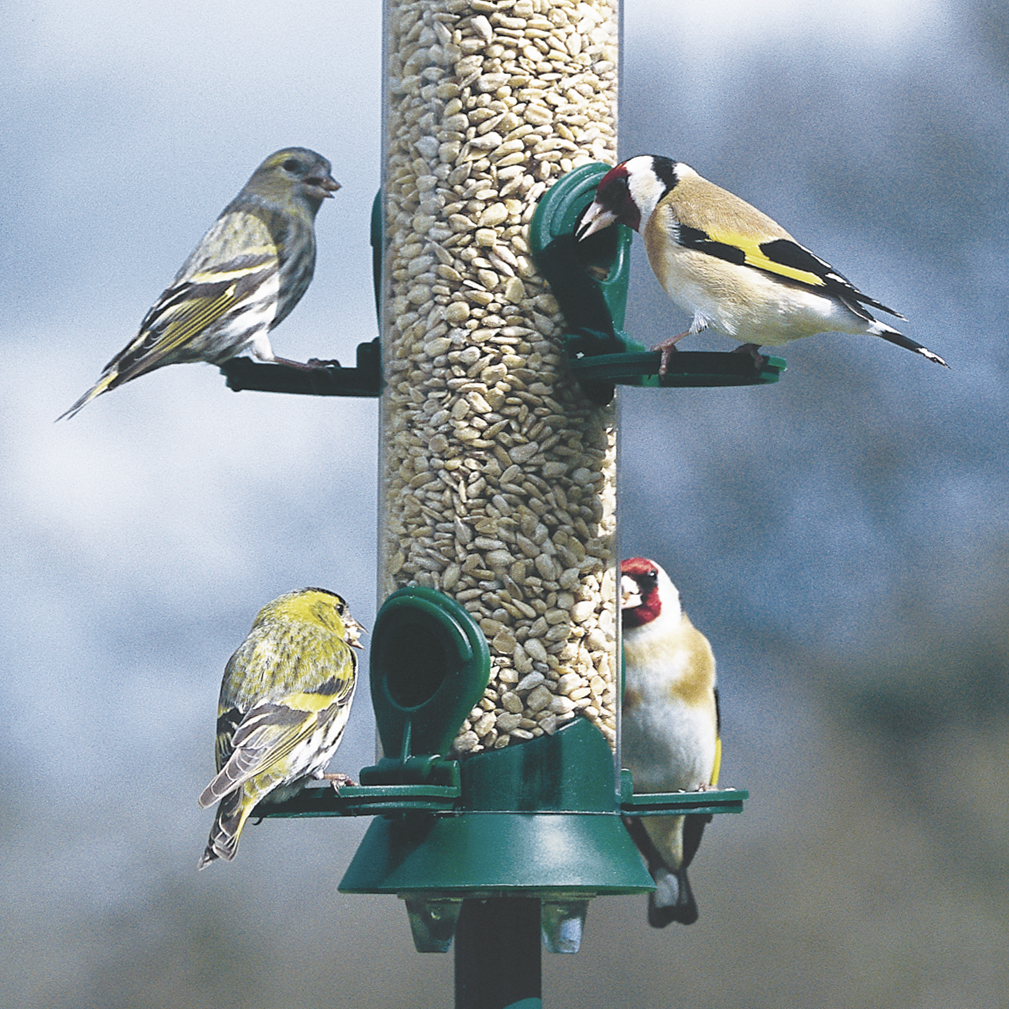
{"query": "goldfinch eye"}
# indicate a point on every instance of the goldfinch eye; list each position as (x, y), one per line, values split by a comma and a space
(291, 165)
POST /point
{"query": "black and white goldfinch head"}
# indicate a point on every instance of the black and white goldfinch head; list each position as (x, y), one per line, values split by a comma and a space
(732, 267)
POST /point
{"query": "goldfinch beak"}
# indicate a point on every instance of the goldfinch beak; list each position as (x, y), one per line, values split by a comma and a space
(630, 593)
(596, 218)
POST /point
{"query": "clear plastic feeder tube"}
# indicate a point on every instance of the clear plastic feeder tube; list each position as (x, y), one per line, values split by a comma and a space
(498, 475)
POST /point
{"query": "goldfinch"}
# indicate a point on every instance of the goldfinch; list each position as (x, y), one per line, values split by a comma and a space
(670, 730)
(284, 704)
(242, 279)
(730, 266)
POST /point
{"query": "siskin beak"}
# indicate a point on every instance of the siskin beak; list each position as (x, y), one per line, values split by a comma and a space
(323, 187)
(353, 631)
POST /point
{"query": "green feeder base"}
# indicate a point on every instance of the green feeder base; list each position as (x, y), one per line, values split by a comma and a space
(497, 854)
(540, 820)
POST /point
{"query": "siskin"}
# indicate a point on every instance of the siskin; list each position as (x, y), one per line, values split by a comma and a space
(285, 700)
(669, 733)
(247, 273)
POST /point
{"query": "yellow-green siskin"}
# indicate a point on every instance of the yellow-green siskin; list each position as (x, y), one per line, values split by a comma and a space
(247, 273)
(285, 700)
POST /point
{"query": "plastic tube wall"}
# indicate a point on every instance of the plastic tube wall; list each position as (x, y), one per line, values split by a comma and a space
(498, 474)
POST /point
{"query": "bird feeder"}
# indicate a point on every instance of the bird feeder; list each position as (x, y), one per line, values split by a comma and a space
(495, 675)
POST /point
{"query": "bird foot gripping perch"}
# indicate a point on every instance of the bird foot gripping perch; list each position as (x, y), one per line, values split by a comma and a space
(325, 378)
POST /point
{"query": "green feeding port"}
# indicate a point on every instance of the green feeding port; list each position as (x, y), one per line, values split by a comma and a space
(377, 252)
(429, 667)
(589, 279)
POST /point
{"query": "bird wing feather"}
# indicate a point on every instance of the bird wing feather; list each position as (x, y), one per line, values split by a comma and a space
(218, 278)
(249, 742)
(782, 257)
(717, 766)
(709, 219)
(267, 734)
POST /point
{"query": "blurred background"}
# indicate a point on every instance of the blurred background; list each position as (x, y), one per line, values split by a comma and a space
(841, 537)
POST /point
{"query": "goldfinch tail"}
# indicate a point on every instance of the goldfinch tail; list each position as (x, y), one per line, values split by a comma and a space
(877, 328)
(102, 385)
(672, 900)
(892, 336)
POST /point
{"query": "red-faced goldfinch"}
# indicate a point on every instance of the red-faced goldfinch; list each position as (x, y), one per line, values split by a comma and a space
(285, 699)
(669, 735)
(730, 266)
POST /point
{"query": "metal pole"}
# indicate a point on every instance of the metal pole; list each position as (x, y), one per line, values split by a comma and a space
(498, 954)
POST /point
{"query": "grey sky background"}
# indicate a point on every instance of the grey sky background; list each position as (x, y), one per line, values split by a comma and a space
(840, 537)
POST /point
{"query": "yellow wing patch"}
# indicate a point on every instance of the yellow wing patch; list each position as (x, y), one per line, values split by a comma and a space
(316, 701)
(779, 256)
(709, 219)
(194, 318)
(718, 762)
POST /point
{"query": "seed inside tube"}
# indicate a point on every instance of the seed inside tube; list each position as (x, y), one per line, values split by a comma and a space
(498, 473)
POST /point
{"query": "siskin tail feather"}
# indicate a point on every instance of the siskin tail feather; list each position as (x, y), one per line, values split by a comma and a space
(102, 385)
(227, 829)
(233, 775)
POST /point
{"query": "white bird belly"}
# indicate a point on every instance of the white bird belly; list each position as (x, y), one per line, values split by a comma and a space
(750, 305)
(667, 745)
(310, 758)
(247, 323)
